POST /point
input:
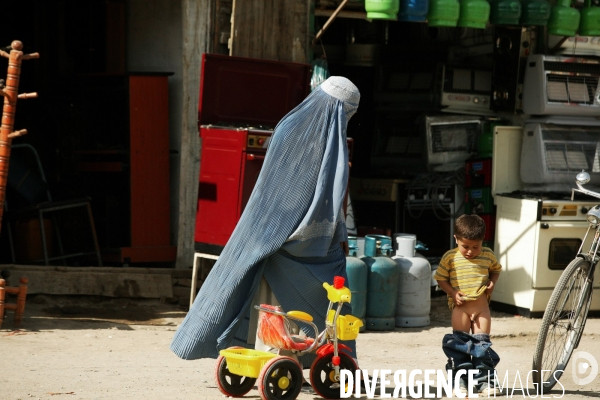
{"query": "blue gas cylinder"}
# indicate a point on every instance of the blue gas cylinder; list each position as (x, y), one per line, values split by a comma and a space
(382, 283)
(357, 281)
(413, 10)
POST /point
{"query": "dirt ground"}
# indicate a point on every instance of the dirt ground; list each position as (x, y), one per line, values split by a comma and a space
(99, 348)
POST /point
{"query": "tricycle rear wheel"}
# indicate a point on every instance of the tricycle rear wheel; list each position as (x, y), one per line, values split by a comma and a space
(229, 383)
(280, 379)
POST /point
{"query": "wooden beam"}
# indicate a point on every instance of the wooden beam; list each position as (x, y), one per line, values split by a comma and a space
(197, 30)
(341, 14)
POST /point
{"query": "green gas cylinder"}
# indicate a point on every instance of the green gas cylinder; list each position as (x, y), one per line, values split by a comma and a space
(382, 283)
(443, 13)
(474, 14)
(357, 272)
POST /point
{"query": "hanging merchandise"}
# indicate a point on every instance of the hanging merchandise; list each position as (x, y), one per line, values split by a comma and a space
(320, 73)
(564, 20)
(590, 20)
(382, 281)
(474, 14)
(505, 12)
(382, 9)
(413, 10)
(535, 12)
(443, 13)
(357, 281)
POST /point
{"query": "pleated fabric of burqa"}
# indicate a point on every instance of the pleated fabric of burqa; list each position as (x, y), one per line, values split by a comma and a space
(289, 232)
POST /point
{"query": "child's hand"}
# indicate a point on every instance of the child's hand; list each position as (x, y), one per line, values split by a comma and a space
(490, 287)
(458, 298)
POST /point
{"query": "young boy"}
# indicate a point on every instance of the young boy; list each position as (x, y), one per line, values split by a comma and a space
(468, 275)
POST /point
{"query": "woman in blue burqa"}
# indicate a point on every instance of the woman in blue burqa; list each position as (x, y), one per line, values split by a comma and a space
(292, 233)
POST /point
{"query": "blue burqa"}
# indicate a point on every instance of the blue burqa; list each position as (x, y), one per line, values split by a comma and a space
(289, 232)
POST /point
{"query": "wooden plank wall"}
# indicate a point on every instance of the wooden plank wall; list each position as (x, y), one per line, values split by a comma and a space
(270, 29)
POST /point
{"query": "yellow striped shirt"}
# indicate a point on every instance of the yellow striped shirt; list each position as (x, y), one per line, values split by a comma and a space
(470, 276)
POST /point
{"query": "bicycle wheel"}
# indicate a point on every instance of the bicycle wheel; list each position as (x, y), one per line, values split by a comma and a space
(562, 324)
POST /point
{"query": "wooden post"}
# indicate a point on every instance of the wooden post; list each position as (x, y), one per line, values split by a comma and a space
(21, 297)
(8, 111)
(196, 32)
(19, 306)
(2, 295)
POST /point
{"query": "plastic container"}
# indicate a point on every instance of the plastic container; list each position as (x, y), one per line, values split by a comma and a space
(564, 20)
(348, 327)
(360, 243)
(404, 244)
(535, 12)
(443, 13)
(474, 14)
(413, 10)
(246, 362)
(357, 272)
(382, 289)
(589, 24)
(382, 9)
(505, 12)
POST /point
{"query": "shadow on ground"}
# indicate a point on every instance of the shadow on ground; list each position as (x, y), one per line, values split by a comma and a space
(44, 312)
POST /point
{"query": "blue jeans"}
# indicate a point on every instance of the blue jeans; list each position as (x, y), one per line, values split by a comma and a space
(465, 352)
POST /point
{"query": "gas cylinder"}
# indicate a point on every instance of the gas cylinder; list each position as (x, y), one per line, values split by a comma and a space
(414, 287)
(357, 281)
(382, 283)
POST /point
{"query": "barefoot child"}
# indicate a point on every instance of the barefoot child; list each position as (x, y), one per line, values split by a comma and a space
(468, 275)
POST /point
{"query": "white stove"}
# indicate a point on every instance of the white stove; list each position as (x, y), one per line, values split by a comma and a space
(537, 234)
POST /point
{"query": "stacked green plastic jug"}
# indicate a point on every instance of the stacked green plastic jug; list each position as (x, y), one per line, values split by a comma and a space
(564, 20)
(474, 14)
(443, 13)
(382, 9)
(535, 12)
(590, 20)
(505, 12)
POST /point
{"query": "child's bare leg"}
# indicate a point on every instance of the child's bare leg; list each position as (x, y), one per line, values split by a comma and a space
(460, 320)
(482, 323)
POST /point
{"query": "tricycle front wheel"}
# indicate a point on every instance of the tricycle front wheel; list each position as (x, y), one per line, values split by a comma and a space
(229, 383)
(322, 374)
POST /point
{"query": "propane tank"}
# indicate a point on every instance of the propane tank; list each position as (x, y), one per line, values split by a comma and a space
(382, 283)
(357, 281)
(414, 285)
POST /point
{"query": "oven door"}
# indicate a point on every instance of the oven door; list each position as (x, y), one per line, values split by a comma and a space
(557, 244)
